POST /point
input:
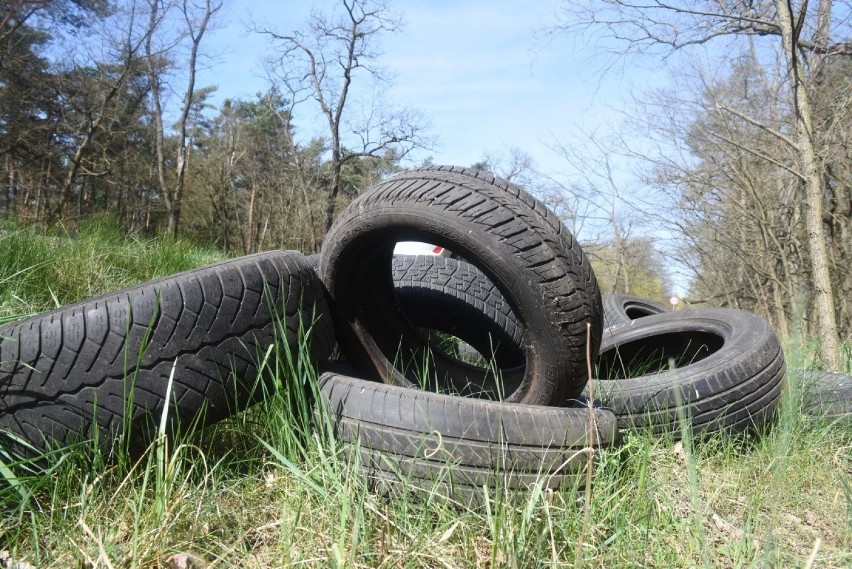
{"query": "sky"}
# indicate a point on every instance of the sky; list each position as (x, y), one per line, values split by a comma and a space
(478, 71)
(483, 73)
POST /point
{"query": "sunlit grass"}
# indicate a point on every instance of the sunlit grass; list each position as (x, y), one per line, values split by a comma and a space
(42, 270)
(271, 497)
(271, 487)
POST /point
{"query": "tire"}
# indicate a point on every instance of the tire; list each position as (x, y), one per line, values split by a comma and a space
(314, 261)
(454, 297)
(510, 237)
(732, 378)
(410, 438)
(619, 308)
(73, 374)
(827, 394)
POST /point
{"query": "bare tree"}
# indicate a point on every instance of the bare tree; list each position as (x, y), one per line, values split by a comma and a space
(659, 27)
(195, 16)
(596, 177)
(726, 183)
(790, 25)
(323, 63)
(115, 75)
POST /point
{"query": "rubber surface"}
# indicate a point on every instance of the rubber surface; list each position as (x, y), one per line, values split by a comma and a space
(74, 373)
(454, 297)
(509, 236)
(620, 307)
(456, 445)
(723, 368)
(826, 394)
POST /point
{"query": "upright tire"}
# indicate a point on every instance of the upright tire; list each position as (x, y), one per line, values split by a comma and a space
(620, 307)
(455, 445)
(510, 237)
(94, 369)
(714, 368)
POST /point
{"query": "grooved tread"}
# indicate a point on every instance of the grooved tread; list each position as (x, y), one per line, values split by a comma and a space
(407, 433)
(826, 394)
(74, 373)
(506, 233)
(735, 385)
(454, 297)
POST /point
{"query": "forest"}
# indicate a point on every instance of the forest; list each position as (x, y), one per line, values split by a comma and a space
(101, 117)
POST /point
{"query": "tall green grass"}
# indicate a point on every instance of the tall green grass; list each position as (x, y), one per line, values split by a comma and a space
(42, 270)
(264, 490)
(271, 487)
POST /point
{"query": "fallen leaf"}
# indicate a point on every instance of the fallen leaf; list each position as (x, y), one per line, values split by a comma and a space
(679, 452)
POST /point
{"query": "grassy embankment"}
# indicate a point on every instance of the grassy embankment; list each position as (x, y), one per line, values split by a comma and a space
(255, 491)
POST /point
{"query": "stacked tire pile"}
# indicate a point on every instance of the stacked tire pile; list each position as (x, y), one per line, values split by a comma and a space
(455, 373)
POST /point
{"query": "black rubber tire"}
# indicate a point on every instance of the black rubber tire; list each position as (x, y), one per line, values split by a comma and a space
(733, 378)
(456, 445)
(620, 307)
(71, 374)
(507, 234)
(454, 297)
(826, 394)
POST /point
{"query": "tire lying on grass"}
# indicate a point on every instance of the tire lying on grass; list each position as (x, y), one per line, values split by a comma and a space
(409, 438)
(620, 307)
(510, 237)
(88, 370)
(723, 368)
(827, 394)
(453, 297)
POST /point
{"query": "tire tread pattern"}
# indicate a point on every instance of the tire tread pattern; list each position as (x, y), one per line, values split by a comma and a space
(454, 297)
(547, 257)
(71, 373)
(405, 434)
(735, 388)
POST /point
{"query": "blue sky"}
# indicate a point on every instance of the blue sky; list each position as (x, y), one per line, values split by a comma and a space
(481, 72)
(476, 70)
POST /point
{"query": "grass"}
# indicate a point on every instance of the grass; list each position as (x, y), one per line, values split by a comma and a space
(264, 489)
(40, 271)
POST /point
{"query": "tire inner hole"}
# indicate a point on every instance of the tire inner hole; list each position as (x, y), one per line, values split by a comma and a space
(656, 354)
(458, 313)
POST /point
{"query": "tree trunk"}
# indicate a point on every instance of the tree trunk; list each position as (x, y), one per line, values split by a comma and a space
(823, 295)
(336, 168)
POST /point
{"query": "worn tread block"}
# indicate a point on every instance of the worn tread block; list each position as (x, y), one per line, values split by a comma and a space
(98, 359)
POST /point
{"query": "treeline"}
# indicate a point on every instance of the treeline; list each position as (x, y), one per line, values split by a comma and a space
(100, 114)
(744, 161)
(741, 198)
(745, 158)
